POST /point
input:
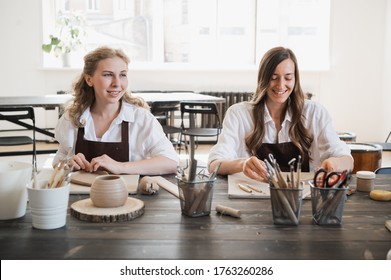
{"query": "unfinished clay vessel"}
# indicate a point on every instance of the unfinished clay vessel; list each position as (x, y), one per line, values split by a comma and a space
(108, 191)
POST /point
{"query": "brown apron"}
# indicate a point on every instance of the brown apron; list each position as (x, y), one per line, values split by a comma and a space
(118, 151)
(283, 153)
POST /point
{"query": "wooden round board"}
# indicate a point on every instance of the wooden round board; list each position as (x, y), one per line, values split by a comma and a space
(84, 210)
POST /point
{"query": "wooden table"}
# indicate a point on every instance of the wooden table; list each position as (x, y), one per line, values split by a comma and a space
(57, 100)
(50, 102)
(164, 233)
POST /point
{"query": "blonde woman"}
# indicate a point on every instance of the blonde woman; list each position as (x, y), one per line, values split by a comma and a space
(106, 128)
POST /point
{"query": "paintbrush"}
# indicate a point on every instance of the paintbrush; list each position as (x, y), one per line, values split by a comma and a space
(298, 172)
(35, 183)
(292, 170)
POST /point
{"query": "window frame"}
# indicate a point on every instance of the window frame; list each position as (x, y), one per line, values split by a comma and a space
(48, 16)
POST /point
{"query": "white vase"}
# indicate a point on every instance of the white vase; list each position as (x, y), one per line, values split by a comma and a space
(65, 60)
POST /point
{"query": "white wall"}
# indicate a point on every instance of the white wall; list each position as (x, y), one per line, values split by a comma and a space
(386, 92)
(355, 90)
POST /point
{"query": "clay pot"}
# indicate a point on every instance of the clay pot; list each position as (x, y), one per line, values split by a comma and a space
(108, 191)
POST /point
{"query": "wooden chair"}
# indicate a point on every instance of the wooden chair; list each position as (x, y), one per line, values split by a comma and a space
(199, 119)
(16, 115)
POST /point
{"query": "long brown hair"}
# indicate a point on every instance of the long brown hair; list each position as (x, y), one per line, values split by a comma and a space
(299, 134)
(84, 95)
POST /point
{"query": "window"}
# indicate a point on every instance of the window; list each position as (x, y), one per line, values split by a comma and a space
(200, 33)
(302, 25)
(93, 5)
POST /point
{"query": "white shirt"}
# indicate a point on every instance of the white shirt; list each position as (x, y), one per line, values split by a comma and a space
(146, 136)
(238, 124)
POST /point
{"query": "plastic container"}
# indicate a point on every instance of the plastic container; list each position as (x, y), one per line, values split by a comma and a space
(365, 181)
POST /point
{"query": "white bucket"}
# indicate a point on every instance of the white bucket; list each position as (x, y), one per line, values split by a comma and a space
(14, 177)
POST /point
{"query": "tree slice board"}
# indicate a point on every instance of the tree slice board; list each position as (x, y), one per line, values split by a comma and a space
(86, 211)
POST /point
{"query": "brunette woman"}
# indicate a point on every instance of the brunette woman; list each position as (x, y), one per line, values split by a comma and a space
(280, 121)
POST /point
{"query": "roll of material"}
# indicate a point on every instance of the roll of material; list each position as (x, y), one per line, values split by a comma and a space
(224, 210)
(148, 185)
(151, 185)
(388, 224)
(381, 195)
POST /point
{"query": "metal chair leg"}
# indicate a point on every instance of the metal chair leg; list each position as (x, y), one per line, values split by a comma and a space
(388, 137)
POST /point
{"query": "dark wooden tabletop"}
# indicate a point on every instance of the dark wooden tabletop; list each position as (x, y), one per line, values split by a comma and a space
(162, 232)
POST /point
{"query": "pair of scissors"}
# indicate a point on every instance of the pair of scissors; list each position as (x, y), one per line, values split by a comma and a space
(344, 179)
(325, 179)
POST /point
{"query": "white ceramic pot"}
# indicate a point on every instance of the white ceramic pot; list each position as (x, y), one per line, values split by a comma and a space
(14, 177)
(48, 206)
(108, 191)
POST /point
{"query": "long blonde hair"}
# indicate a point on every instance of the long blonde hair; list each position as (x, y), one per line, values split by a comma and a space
(84, 95)
(300, 136)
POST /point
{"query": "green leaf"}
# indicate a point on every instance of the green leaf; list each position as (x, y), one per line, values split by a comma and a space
(74, 32)
(55, 41)
(47, 48)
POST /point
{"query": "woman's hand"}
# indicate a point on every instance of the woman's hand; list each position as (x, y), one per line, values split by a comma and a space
(104, 162)
(79, 162)
(338, 163)
(255, 168)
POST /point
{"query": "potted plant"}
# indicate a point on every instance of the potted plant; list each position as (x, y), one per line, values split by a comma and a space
(70, 29)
